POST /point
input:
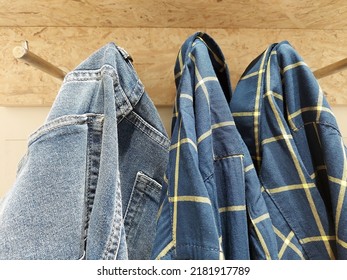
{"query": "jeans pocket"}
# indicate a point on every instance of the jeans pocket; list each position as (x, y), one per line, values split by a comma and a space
(140, 217)
(44, 213)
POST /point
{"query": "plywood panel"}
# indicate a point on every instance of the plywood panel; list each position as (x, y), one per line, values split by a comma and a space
(323, 14)
(154, 51)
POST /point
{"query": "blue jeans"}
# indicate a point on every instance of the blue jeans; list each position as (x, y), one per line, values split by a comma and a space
(90, 183)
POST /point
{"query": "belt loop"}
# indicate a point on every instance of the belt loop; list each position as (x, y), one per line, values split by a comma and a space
(125, 54)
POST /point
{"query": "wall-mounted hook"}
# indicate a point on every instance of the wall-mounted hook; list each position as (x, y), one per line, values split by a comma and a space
(23, 53)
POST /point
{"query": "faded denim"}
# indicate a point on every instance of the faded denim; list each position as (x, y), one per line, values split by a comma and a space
(90, 183)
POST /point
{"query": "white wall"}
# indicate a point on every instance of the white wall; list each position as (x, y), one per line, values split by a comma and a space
(18, 123)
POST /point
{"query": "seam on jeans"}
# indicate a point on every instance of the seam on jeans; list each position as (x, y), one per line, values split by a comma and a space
(117, 221)
(60, 122)
(123, 104)
(123, 109)
(87, 191)
(130, 200)
(137, 206)
(56, 124)
(112, 239)
(154, 134)
(92, 75)
(149, 181)
(91, 153)
(150, 184)
(137, 88)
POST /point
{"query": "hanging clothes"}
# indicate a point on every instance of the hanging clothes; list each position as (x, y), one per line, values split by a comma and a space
(89, 186)
(298, 152)
(212, 206)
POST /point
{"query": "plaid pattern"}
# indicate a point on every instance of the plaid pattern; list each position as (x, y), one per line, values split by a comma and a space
(298, 152)
(212, 206)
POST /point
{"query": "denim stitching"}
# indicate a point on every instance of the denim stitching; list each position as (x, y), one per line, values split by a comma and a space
(68, 120)
(154, 134)
(92, 75)
(115, 236)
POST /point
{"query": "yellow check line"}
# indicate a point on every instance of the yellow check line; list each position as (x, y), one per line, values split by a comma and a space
(342, 193)
(215, 126)
(324, 238)
(232, 208)
(252, 74)
(256, 73)
(272, 93)
(257, 108)
(165, 250)
(276, 138)
(204, 136)
(187, 198)
(177, 164)
(223, 124)
(307, 109)
(184, 141)
(199, 77)
(285, 245)
(337, 181)
(187, 96)
(341, 243)
(298, 167)
(291, 187)
(261, 218)
(246, 114)
(260, 236)
(317, 239)
(249, 167)
(292, 66)
(206, 79)
(290, 244)
(216, 57)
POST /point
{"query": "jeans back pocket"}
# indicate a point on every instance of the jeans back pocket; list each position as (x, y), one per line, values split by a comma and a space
(140, 217)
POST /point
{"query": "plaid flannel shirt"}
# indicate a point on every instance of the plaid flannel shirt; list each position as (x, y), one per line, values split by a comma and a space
(297, 149)
(212, 206)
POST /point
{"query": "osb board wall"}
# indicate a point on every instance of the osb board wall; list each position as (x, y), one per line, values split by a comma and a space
(67, 32)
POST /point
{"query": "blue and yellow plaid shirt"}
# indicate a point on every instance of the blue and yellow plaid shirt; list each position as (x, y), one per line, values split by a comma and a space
(212, 206)
(297, 149)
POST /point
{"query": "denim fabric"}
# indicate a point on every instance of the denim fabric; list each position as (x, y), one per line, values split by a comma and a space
(212, 206)
(297, 149)
(89, 185)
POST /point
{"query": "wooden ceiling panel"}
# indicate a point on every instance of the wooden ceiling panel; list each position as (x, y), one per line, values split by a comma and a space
(286, 14)
(154, 51)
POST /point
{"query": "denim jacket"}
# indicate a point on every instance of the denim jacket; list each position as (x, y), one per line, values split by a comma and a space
(212, 206)
(90, 183)
(297, 149)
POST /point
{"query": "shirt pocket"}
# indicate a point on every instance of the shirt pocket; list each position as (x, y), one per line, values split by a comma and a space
(140, 217)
